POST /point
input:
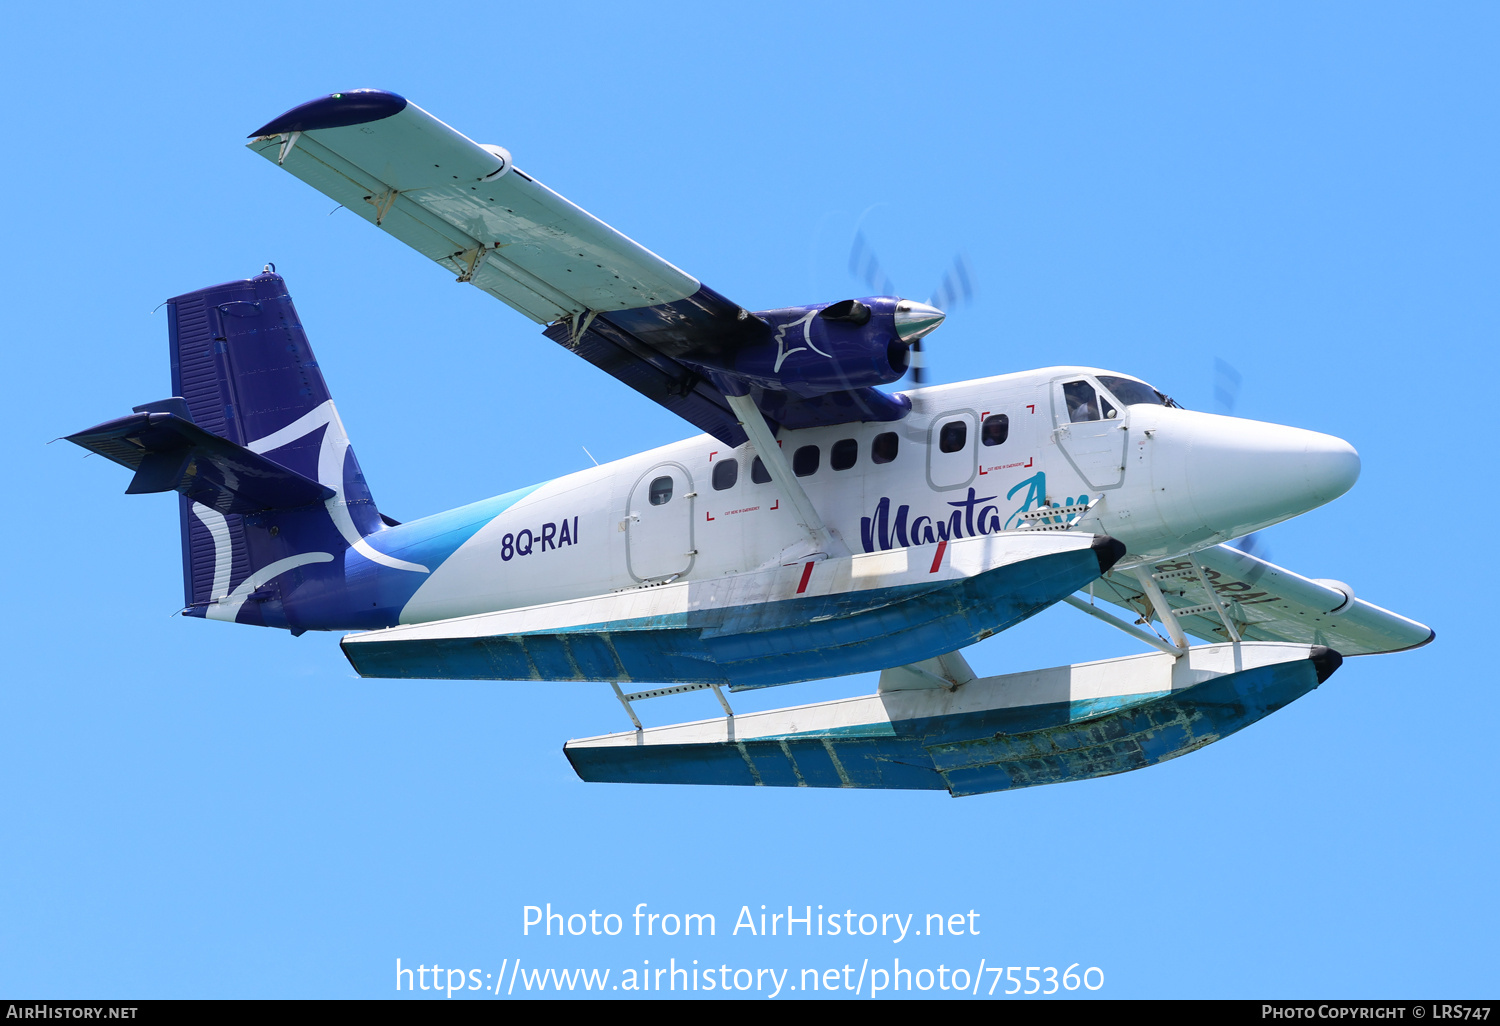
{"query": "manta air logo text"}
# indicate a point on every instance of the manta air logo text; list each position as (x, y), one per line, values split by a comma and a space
(969, 518)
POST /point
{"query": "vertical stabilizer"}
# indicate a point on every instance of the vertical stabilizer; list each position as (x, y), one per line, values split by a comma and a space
(242, 363)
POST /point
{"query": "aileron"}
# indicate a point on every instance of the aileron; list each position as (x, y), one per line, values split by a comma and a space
(460, 197)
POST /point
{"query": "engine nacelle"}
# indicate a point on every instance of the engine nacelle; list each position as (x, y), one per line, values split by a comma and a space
(828, 347)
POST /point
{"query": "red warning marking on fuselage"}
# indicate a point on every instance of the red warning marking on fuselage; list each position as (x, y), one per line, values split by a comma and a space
(778, 505)
(937, 559)
(806, 574)
(708, 514)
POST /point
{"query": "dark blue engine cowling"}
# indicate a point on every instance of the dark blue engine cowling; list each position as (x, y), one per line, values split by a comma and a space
(828, 347)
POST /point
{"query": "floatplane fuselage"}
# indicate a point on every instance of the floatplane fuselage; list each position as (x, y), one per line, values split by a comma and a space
(819, 527)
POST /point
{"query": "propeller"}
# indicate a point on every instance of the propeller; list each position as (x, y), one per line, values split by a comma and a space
(914, 321)
(1227, 382)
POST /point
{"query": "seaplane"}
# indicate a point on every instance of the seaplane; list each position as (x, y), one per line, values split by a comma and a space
(819, 524)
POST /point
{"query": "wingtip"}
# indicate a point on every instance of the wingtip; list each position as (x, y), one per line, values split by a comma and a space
(1431, 637)
(336, 110)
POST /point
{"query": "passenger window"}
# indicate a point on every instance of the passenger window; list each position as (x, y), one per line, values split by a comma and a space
(726, 473)
(1083, 403)
(758, 472)
(844, 454)
(805, 461)
(885, 446)
(661, 491)
(996, 429)
(954, 436)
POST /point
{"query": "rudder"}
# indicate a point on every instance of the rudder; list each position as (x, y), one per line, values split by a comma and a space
(242, 362)
(275, 506)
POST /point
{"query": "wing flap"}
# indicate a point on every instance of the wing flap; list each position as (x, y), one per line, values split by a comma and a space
(1266, 603)
(655, 376)
(468, 206)
(421, 229)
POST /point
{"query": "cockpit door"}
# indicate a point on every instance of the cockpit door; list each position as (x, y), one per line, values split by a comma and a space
(1091, 430)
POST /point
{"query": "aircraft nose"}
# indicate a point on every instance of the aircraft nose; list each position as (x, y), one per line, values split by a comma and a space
(1330, 466)
(1240, 475)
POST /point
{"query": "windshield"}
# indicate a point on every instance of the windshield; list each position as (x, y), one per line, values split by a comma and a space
(1133, 393)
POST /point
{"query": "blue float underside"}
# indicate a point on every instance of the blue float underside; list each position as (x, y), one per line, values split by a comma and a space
(993, 750)
(757, 645)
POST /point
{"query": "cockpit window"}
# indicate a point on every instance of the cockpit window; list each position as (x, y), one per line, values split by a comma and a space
(1083, 401)
(1132, 392)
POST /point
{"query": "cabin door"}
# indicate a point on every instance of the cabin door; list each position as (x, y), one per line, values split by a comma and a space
(660, 523)
(952, 449)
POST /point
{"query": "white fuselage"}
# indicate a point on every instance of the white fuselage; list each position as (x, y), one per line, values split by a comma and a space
(1160, 479)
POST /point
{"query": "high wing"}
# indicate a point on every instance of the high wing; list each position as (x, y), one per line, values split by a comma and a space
(1265, 602)
(607, 298)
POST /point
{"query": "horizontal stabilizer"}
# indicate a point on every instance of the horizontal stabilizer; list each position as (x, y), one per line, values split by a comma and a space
(992, 734)
(169, 453)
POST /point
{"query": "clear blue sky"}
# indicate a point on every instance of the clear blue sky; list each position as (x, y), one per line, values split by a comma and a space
(1304, 190)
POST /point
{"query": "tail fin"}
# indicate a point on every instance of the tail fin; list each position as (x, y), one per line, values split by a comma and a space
(250, 401)
(241, 361)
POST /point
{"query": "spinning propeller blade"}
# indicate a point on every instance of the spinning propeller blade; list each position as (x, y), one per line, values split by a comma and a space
(914, 320)
(1227, 383)
(957, 286)
(865, 265)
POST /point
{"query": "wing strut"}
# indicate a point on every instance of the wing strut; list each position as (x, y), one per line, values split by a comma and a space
(755, 426)
(949, 672)
(676, 689)
(1222, 608)
(1164, 611)
(1118, 624)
